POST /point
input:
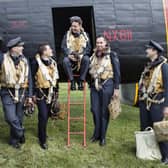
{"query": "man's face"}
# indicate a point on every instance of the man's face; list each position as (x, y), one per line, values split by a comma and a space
(18, 50)
(101, 43)
(48, 52)
(75, 27)
(150, 53)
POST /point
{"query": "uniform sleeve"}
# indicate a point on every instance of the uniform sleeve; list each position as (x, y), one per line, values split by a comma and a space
(30, 88)
(87, 50)
(1, 58)
(116, 69)
(64, 48)
(34, 68)
(165, 82)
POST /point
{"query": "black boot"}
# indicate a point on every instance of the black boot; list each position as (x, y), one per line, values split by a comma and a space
(102, 142)
(164, 161)
(44, 146)
(80, 85)
(15, 145)
(22, 140)
(93, 139)
(73, 86)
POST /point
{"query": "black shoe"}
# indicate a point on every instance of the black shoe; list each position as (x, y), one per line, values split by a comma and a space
(22, 140)
(80, 85)
(93, 139)
(15, 145)
(102, 142)
(165, 161)
(44, 146)
(73, 86)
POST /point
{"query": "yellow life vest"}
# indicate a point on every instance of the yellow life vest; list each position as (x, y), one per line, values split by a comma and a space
(151, 85)
(153, 82)
(101, 70)
(12, 75)
(76, 44)
(159, 81)
(46, 76)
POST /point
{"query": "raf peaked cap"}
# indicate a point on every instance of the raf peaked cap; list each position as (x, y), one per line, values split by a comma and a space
(15, 42)
(155, 45)
(75, 19)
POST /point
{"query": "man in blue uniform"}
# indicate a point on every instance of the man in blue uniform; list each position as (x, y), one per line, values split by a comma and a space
(153, 91)
(105, 73)
(15, 83)
(76, 49)
(45, 76)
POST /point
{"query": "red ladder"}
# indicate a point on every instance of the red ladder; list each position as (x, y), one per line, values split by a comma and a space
(80, 118)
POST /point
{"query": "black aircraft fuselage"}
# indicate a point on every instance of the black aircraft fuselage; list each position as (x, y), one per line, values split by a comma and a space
(127, 24)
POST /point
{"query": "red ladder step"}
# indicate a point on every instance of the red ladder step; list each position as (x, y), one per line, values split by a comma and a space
(76, 103)
(76, 118)
(76, 133)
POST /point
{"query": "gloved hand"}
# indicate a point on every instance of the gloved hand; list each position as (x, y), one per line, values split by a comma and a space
(34, 99)
(29, 107)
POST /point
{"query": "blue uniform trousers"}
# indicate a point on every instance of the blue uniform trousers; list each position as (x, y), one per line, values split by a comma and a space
(43, 115)
(148, 117)
(13, 113)
(99, 107)
(67, 64)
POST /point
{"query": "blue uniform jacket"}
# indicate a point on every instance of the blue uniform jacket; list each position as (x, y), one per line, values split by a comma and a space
(165, 82)
(116, 68)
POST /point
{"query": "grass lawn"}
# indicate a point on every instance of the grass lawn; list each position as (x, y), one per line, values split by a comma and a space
(118, 153)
